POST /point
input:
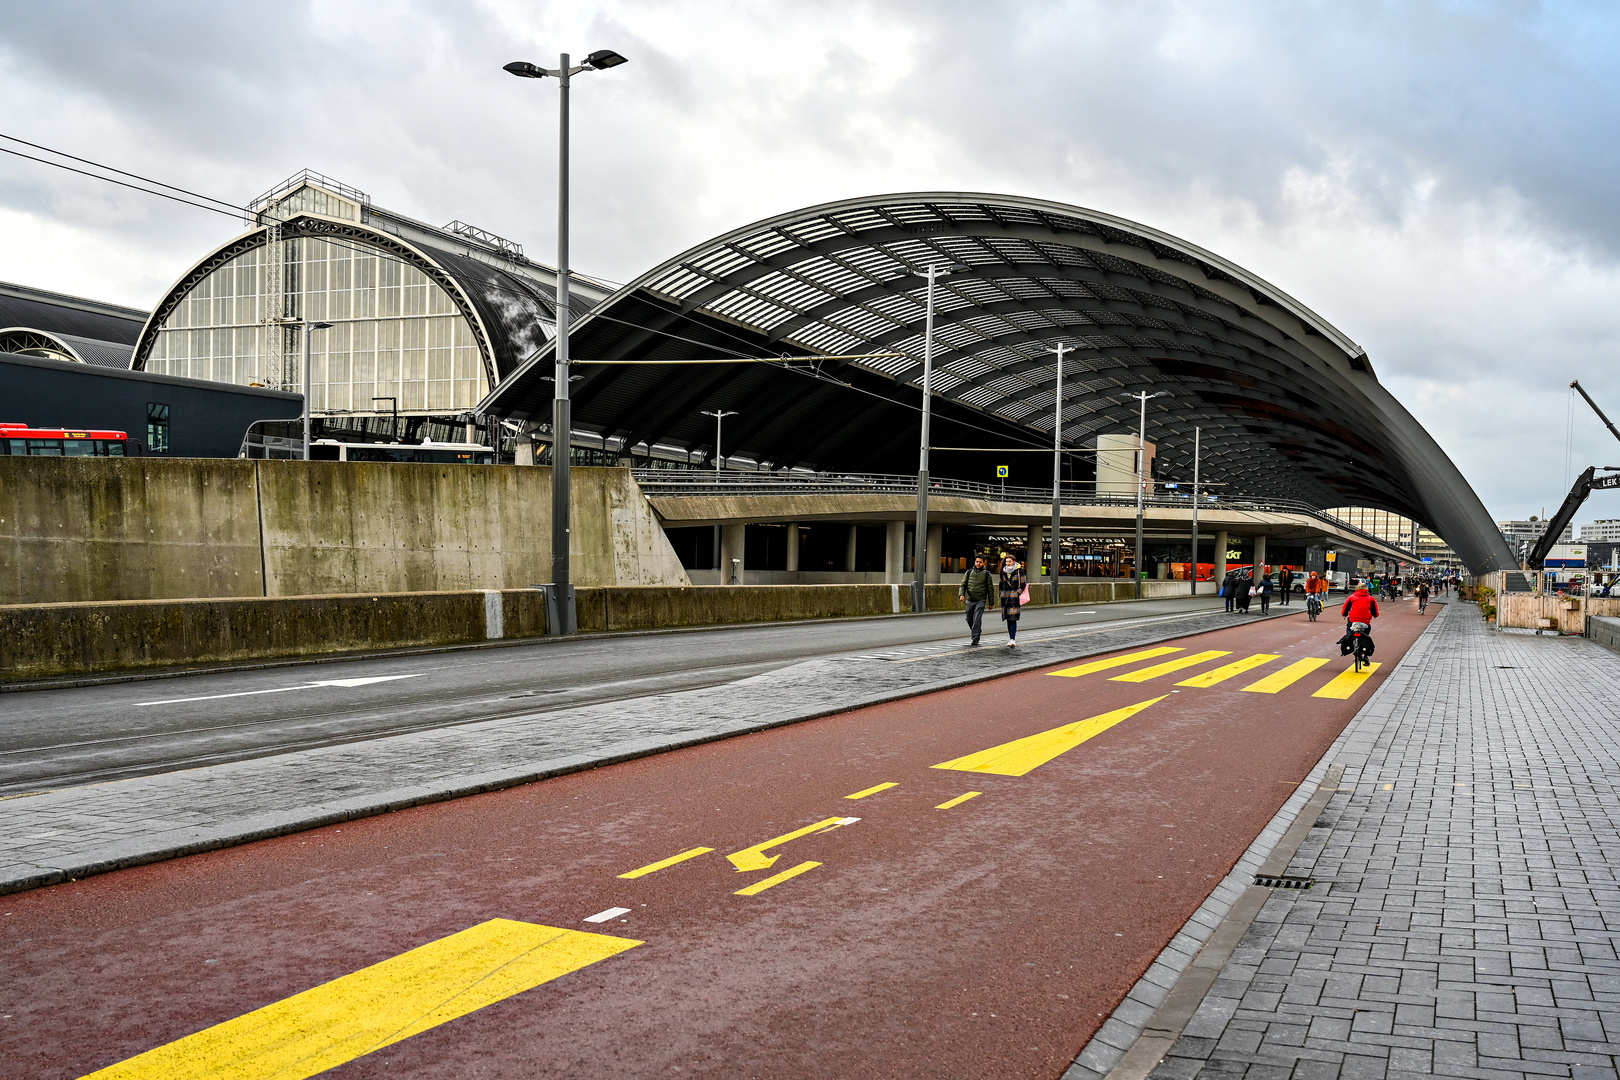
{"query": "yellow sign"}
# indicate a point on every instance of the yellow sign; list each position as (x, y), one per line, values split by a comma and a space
(1001, 472)
(1333, 556)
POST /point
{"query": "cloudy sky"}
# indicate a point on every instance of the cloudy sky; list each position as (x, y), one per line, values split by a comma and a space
(1439, 180)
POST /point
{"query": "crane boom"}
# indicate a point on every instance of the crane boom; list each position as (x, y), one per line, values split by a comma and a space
(1576, 385)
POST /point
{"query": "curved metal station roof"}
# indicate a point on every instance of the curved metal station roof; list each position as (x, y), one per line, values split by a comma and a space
(1289, 407)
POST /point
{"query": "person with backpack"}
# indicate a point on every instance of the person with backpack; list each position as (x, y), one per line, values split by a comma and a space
(1265, 593)
(1229, 590)
(1014, 594)
(975, 591)
(1422, 594)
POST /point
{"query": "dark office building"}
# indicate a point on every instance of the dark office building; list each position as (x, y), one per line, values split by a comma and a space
(64, 363)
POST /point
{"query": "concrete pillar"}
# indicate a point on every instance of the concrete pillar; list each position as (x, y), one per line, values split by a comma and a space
(1033, 561)
(733, 545)
(1220, 556)
(936, 541)
(849, 549)
(894, 553)
(793, 546)
(1259, 557)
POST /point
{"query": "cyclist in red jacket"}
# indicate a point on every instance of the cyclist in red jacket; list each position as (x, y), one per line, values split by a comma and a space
(1360, 606)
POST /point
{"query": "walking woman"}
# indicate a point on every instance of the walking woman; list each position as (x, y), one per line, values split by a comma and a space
(1013, 595)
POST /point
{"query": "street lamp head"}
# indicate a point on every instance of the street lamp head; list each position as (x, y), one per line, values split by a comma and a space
(601, 59)
(320, 325)
(525, 70)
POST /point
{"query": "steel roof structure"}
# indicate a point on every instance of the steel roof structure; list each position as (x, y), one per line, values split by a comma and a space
(1289, 406)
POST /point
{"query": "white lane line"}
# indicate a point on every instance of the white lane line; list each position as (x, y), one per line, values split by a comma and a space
(610, 913)
(1082, 613)
(348, 683)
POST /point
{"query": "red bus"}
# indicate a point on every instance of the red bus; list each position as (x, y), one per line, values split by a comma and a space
(20, 440)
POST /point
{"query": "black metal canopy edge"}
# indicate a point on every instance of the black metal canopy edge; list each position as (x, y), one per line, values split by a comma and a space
(1288, 405)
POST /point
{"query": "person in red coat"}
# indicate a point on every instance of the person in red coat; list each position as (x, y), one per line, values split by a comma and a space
(1358, 607)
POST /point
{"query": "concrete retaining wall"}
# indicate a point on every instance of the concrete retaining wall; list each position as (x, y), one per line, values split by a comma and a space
(58, 640)
(1604, 630)
(76, 530)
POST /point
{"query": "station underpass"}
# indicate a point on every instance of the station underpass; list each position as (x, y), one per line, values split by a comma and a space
(964, 883)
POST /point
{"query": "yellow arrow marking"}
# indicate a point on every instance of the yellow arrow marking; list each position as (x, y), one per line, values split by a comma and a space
(754, 858)
(1168, 666)
(1113, 662)
(1278, 681)
(661, 864)
(375, 1007)
(1227, 671)
(1346, 682)
(775, 879)
(1023, 755)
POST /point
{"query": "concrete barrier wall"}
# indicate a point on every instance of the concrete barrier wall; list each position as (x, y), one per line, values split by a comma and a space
(1605, 630)
(57, 640)
(76, 530)
(49, 640)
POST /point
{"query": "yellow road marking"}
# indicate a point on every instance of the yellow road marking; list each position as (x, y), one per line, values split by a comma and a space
(1019, 757)
(1113, 662)
(1391, 787)
(1168, 666)
(960, 799)
(775, 879)
(1288, 676)
(1227, 671)
(871, 791)
(1346, 682)
(754, 858)
(661, 864)
(377, 1006)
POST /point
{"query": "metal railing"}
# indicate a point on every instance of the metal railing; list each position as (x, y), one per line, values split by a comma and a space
(679, 482)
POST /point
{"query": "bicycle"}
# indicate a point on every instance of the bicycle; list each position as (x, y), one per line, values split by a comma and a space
(1361, 645)
(1313, 606)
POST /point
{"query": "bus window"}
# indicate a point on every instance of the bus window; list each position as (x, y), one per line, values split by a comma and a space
(42, 447)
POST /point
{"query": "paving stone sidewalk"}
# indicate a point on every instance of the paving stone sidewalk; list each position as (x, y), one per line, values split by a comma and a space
(1466, 906)
(75, 832)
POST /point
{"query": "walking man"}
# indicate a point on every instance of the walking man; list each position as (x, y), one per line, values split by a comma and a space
(1229, 589)
(976, 592)
(1285, 584)
(1265, 592)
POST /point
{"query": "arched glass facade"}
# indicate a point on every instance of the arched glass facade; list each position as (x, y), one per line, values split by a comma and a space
(396, 334)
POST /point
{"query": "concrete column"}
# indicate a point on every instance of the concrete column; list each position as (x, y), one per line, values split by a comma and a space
(1033, 562)
(1220, 556)
(1259, 557)
(733, 545)
(936, 541)
(849, 549)
(793, 546)
(894, 553)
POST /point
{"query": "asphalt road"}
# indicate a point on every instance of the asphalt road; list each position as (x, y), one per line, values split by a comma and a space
(90, 734)
(961, 884)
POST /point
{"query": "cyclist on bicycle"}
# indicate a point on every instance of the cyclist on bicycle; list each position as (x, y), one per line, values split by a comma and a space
(1358, 607)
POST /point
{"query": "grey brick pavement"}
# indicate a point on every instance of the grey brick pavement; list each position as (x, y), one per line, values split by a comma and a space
(54, 836)
(1466, 909)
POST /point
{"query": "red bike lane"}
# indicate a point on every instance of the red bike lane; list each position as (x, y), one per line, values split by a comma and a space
(962, 884)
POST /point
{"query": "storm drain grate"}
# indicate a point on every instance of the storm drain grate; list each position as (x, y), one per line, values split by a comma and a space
(1284, 882)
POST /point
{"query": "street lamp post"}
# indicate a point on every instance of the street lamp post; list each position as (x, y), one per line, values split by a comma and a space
(561, 617)
(307, 327)
(1193, 573)
(719, 415)
(1141, 480)
(919, 559)
(1057, 468)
